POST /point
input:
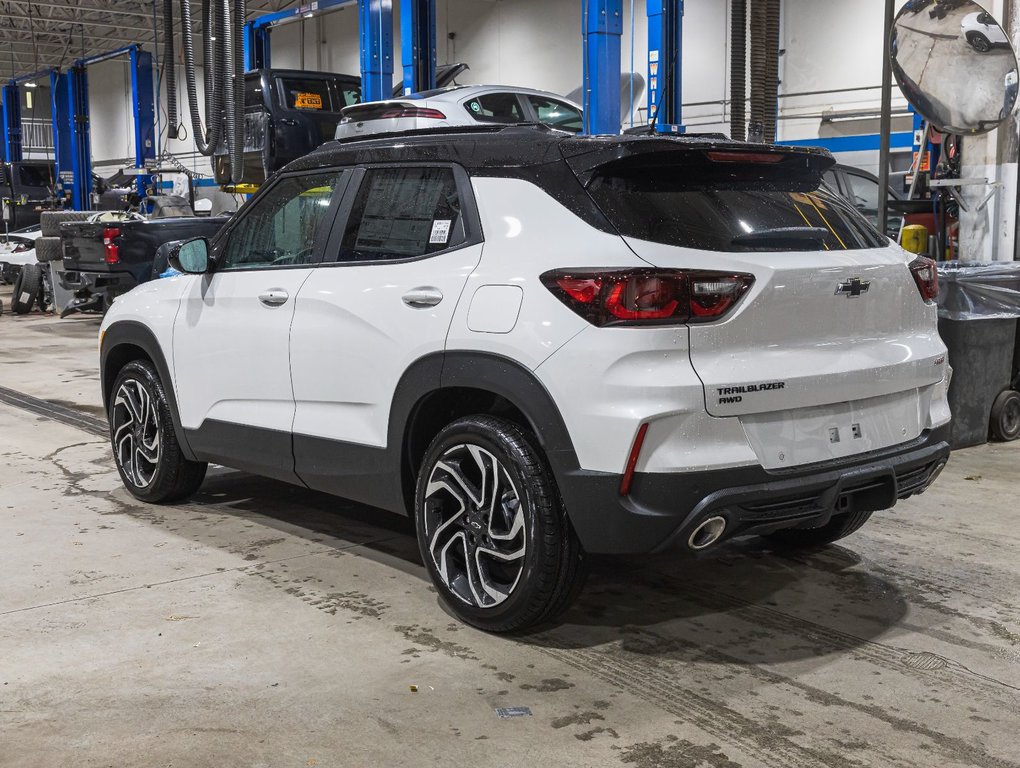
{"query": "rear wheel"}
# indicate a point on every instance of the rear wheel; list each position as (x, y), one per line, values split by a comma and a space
(145, 445)
(837, 528)
(1005, 416)
(492, 529)
(26, 289)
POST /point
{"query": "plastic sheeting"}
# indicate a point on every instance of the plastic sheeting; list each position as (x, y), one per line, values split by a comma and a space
(979, 290)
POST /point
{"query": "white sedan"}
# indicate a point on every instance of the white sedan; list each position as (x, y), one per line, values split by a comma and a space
(461, 105)
(17, 249)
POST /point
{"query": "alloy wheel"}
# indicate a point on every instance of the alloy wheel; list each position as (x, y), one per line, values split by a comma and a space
(136, 431)
(475, 526)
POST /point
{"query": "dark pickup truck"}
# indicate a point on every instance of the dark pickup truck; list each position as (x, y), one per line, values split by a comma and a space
(103, 260)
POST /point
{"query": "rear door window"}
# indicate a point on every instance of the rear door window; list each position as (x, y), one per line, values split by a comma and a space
(710, 207)
(403, 213)
(496, 108)
(34, 176)
(556, 114)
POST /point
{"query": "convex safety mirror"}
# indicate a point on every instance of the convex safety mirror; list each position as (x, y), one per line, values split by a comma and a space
(954, 64)
(191, 256)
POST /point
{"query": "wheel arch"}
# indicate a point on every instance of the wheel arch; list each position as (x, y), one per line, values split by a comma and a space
(439, 388)
(126, 341)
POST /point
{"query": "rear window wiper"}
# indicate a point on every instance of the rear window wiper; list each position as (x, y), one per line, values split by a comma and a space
(796, 237)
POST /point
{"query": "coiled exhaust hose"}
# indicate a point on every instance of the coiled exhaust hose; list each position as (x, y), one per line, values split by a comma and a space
(236, 133)
(771, 98)
(738, 69)
(205, 142)
(170, 68)
(758, 65)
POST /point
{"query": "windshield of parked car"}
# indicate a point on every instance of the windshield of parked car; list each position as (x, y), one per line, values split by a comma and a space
(710, 208)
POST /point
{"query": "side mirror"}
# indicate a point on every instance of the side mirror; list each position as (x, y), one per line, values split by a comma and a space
(191, 256)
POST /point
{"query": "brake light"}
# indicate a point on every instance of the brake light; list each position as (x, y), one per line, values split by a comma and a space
(648, 296)
(745, 157)
(111, 251)
(926, 275)
(432, 114)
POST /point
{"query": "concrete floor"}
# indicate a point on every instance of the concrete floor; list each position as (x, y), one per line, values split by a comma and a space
(264, 625)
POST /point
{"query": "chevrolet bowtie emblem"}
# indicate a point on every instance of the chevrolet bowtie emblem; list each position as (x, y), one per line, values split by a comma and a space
(853, 287)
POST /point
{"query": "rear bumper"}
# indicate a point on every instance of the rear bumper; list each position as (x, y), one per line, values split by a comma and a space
(663, 509)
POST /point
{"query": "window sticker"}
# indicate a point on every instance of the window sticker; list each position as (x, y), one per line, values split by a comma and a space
(440, 231)
(307, 101)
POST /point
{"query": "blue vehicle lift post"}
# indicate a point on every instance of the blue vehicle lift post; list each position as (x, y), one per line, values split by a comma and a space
(80, 169)
(602, 28)
(11, 100)
(375, 21)
(418, 44)
(665, 57)
(145, 114)
(70, 107)
(63, 127)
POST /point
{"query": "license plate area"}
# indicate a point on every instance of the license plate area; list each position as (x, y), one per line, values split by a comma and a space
(790, 438)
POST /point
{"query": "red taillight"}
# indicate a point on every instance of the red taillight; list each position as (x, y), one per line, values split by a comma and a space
(432, 114)
(111, 252)
(926, 275)
(648, 296)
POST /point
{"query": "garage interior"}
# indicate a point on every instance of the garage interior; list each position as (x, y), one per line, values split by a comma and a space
(264, 624)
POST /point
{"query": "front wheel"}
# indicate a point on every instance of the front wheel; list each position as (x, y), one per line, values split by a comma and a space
(145, 445)
(492, 529)
(979, 42)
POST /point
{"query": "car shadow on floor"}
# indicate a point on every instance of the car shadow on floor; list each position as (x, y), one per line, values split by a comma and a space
(744, 604)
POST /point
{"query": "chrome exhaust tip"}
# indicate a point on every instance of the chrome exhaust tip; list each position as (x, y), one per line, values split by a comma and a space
(708, 532)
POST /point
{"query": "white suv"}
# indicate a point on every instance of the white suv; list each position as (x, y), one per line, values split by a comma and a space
(542, 346)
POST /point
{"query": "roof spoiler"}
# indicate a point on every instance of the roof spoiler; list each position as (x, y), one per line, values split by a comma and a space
(632, 155)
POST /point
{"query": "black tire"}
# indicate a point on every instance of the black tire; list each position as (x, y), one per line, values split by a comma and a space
(48, 249)
(26, 289)
(979, 42)
(1005, 417)
(840, 526)
(138, 412)
(50, 221)
(533, 587)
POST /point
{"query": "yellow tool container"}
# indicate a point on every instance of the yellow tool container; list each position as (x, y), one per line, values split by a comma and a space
(915, 238)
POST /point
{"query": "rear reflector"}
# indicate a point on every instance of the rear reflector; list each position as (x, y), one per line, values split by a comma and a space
(635, 451)
(648, 296)
(926, 275)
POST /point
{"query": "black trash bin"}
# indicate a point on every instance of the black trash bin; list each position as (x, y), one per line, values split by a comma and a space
(979, 315)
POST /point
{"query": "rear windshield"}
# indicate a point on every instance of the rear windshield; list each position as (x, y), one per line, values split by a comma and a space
(707, 209)
(34, 176)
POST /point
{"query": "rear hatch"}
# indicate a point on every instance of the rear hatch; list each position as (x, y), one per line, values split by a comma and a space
(832, 350)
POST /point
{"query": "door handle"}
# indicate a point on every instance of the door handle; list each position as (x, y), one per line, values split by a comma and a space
(423, 297)
(274, 297)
